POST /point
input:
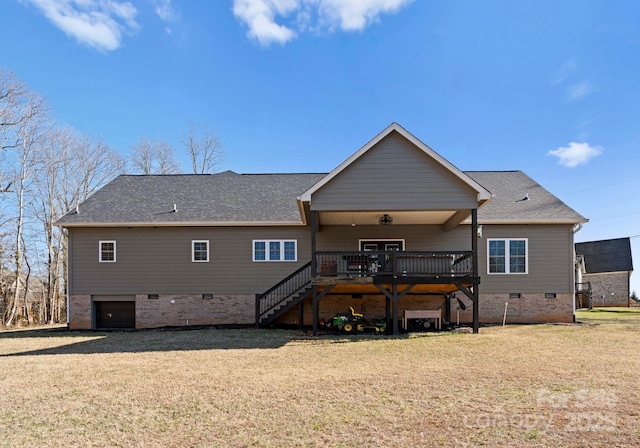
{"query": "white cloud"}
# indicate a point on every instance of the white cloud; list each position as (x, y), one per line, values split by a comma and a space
(97, 23)
(259, 16)
(165, 10)
(348, 15)
(575, 154)
(578, 90)
(356, 15)
(167, 13)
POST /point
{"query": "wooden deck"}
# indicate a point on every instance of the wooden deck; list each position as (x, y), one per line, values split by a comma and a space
(371, 288)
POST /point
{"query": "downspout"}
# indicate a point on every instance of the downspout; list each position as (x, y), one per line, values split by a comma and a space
(68, 289)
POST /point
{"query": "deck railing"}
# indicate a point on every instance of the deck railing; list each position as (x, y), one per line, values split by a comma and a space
(583, 288)
(394, 263)
(282, 290)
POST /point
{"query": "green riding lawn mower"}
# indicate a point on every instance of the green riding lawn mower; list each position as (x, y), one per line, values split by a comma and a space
(352, 322)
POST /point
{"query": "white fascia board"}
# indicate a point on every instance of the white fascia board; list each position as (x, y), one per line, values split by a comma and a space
(529, 221)
(483, 194)
(183, 224)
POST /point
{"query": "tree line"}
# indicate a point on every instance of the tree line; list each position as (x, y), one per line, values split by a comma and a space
(46, 169)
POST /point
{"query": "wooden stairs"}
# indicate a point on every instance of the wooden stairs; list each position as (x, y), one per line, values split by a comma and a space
(283, 296)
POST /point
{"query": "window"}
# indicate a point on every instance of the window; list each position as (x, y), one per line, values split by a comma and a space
(107, 251)
(507, 256)
(200, 252)
(275, 250)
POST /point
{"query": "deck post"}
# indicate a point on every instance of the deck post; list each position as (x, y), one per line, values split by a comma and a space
(314, 302)
(395, 308)
(447, 307)
(258, 297)
(314, 270)
(474, 249)
(314, 261)
(301, 315)
(387, 309)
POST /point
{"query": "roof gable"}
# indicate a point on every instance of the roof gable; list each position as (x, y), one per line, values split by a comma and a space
(482, 195)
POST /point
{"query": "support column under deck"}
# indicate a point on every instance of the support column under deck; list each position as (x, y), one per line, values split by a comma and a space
(387, 309)
(395, 308)
(314, 302)
(474, 249)
(314, 270)
(301, 315)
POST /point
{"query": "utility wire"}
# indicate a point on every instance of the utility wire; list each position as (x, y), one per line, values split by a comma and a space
(602, 186)
(614, 217)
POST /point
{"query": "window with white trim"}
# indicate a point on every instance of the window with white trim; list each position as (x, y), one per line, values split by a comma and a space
(275, 250)
(507, 256)
(107, 251)
(200, 251)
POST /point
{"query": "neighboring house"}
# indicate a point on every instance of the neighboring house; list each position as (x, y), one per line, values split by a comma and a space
(395, 227)
(606, 271)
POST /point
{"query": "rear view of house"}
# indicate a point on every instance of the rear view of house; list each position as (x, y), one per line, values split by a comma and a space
(394, 228)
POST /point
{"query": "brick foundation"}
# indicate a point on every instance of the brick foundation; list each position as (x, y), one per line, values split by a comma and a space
(177, 311)
(174, 310)
(529, 308)
(80, 312)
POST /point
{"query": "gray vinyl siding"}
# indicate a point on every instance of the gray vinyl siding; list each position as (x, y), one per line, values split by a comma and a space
(158, 260)
(550, 260)
(394, 175)
(417, 237)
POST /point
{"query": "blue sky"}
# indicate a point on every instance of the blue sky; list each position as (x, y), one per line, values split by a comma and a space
(548, 87)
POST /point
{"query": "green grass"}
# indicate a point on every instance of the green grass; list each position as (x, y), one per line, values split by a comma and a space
(531, 385)
(621, 314)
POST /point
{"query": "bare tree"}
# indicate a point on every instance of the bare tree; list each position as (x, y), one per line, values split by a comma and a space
(70, 167)
(15, 105)
(166, 161)
(56, 150)
(44, 172)
(153, 157)
(30, 131)
(204, 149)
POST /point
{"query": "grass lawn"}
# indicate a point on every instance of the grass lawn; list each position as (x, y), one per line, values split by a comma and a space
(536, 385)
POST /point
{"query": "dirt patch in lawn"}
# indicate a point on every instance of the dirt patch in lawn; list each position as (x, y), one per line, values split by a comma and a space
(534, 385)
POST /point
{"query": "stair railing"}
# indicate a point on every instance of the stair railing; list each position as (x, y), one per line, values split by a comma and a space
(282, 290)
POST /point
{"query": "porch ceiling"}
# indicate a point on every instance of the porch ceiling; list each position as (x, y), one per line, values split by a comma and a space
(373, 217)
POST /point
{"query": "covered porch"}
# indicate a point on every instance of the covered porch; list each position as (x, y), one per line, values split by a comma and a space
(397, 272)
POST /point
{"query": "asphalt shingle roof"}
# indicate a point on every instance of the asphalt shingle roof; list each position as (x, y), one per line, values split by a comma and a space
(606, 255)
(222, 197)
(510, 188)
(229, 197)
